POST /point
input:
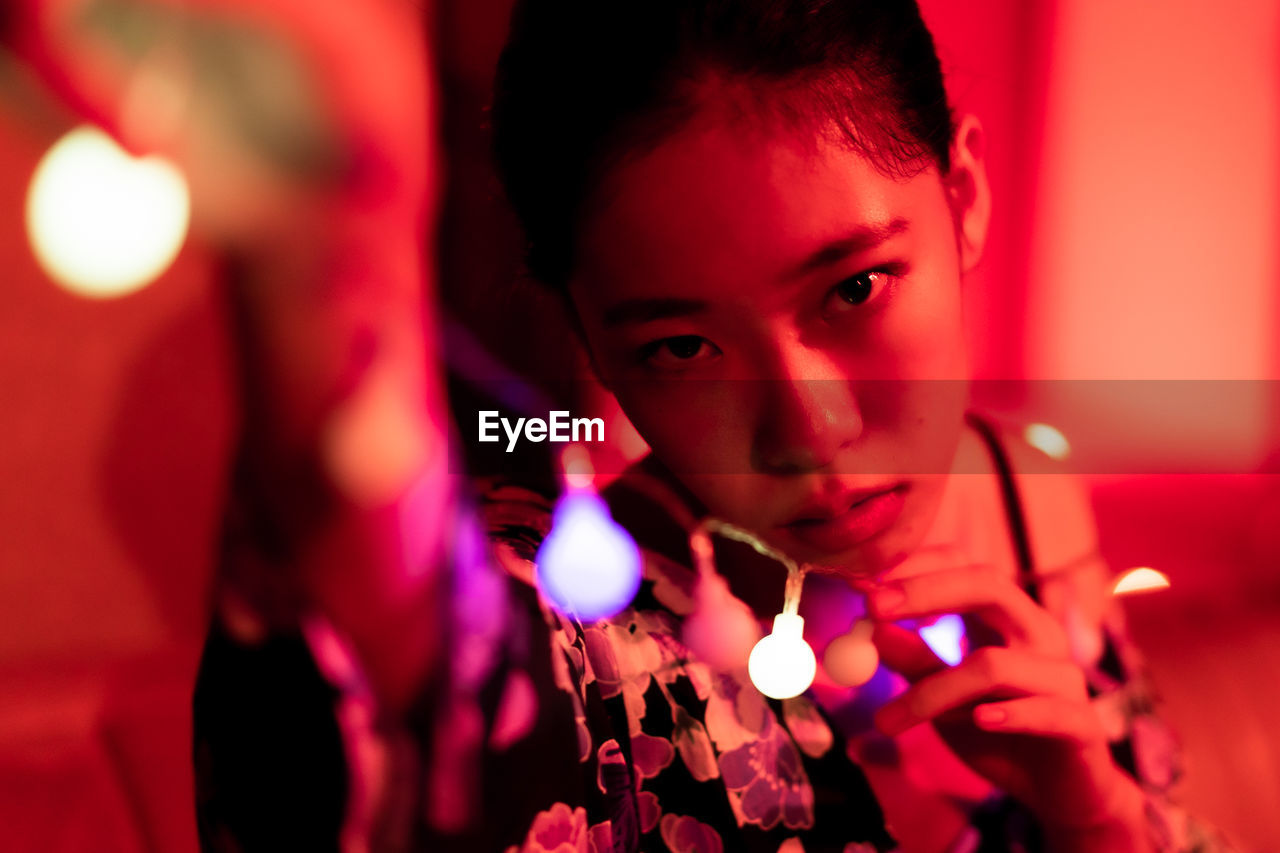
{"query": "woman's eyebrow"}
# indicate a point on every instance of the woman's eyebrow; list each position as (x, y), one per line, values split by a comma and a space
(862, 239)
(632, 311)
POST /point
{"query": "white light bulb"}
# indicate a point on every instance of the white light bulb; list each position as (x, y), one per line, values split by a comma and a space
(101, 222)
(588, 566)
(1048, 440)
(782, 664)
(1142, 579)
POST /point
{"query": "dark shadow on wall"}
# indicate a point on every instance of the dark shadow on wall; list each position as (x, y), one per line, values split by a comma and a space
(480, 248)
(166, 462)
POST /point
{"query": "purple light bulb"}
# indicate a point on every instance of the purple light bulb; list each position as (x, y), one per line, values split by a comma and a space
(588, 566)
(946, 637)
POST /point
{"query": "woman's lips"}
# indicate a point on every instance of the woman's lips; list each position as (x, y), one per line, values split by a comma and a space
(841, 531)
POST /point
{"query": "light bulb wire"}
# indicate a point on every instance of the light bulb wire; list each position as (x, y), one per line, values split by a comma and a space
(795, 571)
(700, 545)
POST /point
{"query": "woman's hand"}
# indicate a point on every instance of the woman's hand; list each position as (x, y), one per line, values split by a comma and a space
(1017, 713)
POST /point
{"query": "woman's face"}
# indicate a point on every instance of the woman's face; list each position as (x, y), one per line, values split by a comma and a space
(782, 324)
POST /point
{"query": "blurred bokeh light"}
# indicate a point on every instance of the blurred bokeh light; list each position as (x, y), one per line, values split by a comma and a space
(103, 223)
(1142, 579)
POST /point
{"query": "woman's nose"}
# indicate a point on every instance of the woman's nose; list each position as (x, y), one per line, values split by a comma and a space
(809, 413)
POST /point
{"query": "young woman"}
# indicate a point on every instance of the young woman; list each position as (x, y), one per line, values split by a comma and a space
(759, 214)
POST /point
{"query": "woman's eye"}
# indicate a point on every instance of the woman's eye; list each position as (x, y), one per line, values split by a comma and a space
(861, 288)
(679, 352)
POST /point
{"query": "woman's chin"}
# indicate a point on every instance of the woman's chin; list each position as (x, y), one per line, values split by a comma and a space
(857, 565)
(858, 568)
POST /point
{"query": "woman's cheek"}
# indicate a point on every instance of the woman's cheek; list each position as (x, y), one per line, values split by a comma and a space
(740, 499)
(690, 436)
(929, 332)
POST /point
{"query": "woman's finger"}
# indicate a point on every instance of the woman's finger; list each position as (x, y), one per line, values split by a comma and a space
(989, 673)
(1047, 716)
(979, 590)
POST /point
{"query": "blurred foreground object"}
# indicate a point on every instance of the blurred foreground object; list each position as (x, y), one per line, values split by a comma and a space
(304, 134)
(101, 222)
(588, 566)
(1142, 579)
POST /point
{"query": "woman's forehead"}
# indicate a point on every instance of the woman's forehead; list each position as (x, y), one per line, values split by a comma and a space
(710, 204)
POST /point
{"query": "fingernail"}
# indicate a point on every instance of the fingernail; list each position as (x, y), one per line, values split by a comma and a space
(887, 601)
(987, 715)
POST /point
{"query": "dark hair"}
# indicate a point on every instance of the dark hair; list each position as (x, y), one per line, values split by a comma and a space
(583, 83)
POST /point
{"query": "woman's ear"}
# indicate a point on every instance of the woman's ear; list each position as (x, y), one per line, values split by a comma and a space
(968, 192)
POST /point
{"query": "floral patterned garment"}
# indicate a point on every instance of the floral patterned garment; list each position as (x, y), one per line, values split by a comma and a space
(713, 765)
(673, 754)
(547, 735)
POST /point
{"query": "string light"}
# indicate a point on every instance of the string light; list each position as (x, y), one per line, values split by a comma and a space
(851, 659)
(782, 664)
(1048, 440)
(945, 636)
(722, 627)
(1141, 579)
(101, 222)
(721, 630)
(588, 566)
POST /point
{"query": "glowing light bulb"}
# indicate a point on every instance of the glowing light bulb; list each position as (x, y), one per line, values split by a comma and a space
(946, 637)
(588, 566)
(721, 629)
(851, 659)
(782, 664)
(1048, 440)
(1142, 579)
(101, 222)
